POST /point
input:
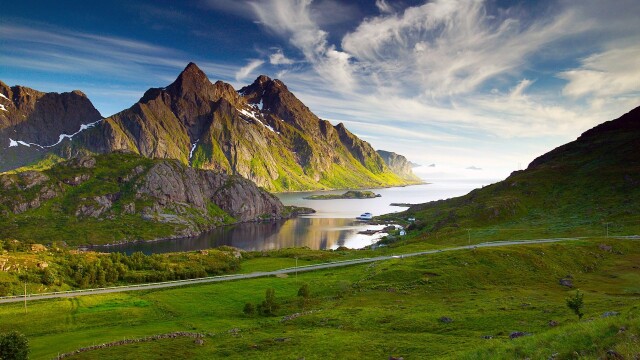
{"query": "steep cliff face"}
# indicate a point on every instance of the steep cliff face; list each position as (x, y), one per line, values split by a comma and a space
(261, 132)
(38, 120)
(398, 164)
(170, 182)
(117, 197)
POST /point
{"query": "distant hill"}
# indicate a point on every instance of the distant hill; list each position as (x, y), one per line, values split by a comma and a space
(399, 165)
(261, 132)
(582, 187)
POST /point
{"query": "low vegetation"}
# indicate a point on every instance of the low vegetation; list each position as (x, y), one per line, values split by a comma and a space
(57, 269)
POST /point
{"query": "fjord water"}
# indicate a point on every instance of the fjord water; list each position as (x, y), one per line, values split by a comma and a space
(333, 225)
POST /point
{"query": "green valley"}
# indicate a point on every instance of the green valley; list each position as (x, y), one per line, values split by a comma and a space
(466, 304)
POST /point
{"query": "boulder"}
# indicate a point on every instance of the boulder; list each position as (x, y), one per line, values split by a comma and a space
(566, 282)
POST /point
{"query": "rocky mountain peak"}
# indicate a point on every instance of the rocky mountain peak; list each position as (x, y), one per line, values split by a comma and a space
(5, 90)
(191, 80)
(262, 79)
(79, 93)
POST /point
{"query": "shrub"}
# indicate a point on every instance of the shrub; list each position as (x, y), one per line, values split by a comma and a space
(14, 346)
(576, 304)
(249, 309)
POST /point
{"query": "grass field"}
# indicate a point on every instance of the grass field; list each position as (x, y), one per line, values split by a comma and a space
(371, 311)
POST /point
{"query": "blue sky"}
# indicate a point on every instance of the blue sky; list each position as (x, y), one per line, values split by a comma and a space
(477, 87)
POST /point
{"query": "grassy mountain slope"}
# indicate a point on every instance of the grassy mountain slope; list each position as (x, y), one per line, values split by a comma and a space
(580, 188)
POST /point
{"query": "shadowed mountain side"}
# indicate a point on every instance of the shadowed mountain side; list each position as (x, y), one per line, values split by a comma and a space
(39, 119)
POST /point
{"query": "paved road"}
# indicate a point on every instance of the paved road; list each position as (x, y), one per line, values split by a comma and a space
(168, 284)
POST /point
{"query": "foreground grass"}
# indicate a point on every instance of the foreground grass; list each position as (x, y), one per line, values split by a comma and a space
(370, 311)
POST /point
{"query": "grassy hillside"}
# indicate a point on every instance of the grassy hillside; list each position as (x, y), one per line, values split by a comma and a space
(376, 310)
(44, 207)
(580, 189)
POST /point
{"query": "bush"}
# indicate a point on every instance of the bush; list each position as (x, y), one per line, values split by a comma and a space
(249, 309)
(14, 346)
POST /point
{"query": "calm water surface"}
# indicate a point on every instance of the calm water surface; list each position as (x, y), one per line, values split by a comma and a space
(332, 226)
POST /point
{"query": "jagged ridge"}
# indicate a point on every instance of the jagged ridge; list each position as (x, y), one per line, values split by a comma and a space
(262, 132)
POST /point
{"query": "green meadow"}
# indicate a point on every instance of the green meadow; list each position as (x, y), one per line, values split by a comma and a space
(444, 305)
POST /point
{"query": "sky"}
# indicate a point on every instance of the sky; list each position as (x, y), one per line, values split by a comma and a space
(467, 88)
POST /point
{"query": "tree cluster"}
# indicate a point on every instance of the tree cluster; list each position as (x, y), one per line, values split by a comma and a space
(90, 270)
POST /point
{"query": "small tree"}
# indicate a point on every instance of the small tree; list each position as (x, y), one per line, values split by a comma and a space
(14, 346)
(304, 291)
(269, 305)
(576, 304)
(303, 294)
(249, 309)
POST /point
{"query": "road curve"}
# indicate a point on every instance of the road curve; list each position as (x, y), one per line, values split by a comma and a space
(211, 279)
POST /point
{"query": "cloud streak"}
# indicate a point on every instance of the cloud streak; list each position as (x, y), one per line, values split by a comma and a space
(292, 19)
(248, 69)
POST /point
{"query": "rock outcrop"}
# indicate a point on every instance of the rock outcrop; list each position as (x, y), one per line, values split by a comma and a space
(170, 182)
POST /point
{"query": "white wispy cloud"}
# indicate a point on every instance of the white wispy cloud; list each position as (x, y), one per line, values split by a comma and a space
(278, 58)
(248, 69)
(42, 47)
(611, 73)
(446, 48)
(292, 19)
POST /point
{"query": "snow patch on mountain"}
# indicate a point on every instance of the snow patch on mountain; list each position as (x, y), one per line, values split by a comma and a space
(193, 147)
(83, 127)
(251, 114)
(3, 96)
(13, 143)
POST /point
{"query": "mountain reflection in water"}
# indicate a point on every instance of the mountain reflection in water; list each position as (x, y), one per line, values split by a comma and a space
(312, 232)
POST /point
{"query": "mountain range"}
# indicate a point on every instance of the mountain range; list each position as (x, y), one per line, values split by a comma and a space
(261, 132)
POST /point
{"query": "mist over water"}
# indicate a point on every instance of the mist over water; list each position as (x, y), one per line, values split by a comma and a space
(333, 225)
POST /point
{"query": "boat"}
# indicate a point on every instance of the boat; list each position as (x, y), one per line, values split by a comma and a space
(365, 216)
